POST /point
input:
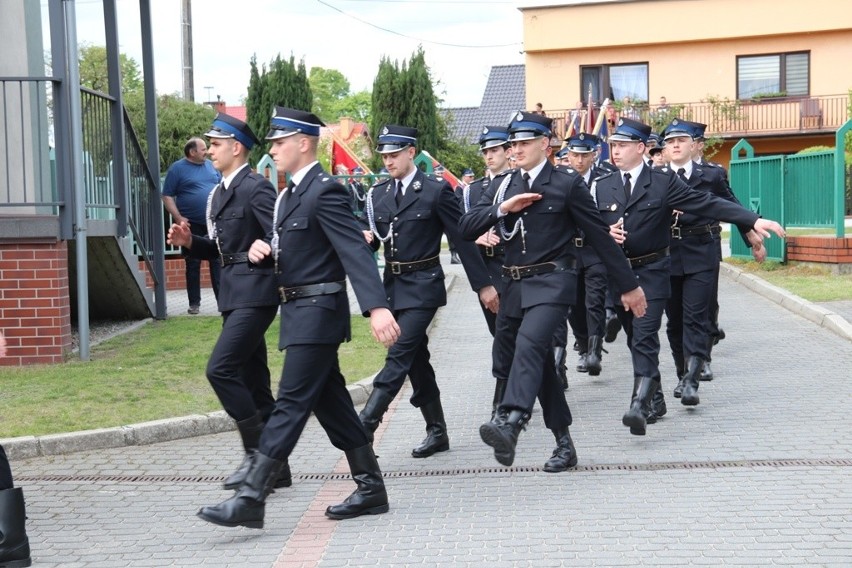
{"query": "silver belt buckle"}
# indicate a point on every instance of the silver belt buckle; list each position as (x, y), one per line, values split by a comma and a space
(396, 268)
(676, 233)
(515, 272)
(489, 250)
(283, 293)
(579, 242)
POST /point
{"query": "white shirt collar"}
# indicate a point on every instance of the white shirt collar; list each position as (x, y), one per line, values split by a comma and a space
(634, 173)
(300, 175)
(534, 172)
(226, 182)
(687, 167)
(406, 181)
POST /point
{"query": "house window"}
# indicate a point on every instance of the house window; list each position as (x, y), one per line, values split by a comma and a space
(614, 82)
(782, 74)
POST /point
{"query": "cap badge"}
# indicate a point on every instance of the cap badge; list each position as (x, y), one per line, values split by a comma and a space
(674, 122)
(485, 130)
(621, 122)
(582, 136)
(519, 116)
(385, 130)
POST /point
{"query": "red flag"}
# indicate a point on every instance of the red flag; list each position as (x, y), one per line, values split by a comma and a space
(341, 154)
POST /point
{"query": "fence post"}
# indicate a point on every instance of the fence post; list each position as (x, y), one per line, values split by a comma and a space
(840, 179)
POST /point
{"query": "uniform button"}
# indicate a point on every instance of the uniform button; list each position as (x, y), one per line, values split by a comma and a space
(295, 224)
(626, 214)
(396, 218)
(313, 301)
(550, 208)
(418, 214)
(396, 234)
(526, 213)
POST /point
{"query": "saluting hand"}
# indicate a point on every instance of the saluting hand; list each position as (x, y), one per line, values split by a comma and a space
(258, 251)
(519, 202)
(634, 301)
(489, 298)
(180, 235)
(384, 327)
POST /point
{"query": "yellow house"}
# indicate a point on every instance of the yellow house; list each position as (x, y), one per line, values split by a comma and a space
(776, 72)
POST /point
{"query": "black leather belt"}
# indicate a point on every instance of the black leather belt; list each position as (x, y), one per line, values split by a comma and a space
(648, 258)
(492, 251)
(518, 272)
(233, 258)
(680, 232)
(403, 267)
(321, 289)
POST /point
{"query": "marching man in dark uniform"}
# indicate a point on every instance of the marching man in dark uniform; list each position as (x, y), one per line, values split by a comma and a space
(239, 211)
(409, 213)
(537, 210)
(316, 244)
(494, 145)
(638, 202)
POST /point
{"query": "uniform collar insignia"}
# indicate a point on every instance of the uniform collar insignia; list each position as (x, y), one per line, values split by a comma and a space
(416, 185)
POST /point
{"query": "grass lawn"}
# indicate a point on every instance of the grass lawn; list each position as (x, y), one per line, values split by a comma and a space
(154, 372)
(816, 284)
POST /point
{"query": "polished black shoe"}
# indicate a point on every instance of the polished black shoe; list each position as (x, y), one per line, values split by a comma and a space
(499, 391)
(634, 418)
(247, 507)
(718, 336)
(689, 396)
(502, 433)
(593, 356)
(581, 363)
(436, 431)
(375, 408)
(613, 326)
(250, 430)
(14, 543)
(678, 390)
(564, 456)
(370, 497)
(657, 408)
(706, 372)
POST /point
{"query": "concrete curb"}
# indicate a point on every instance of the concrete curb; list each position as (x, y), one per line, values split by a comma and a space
(819, 315)
(152, 432)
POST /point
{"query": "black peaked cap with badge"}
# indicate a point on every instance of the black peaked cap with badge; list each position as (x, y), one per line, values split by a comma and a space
(582, 143)
(493, 136)
(677, 128)
(226, 126)
(629, 130)
(528, 125)
(287, 122)
(393, 138)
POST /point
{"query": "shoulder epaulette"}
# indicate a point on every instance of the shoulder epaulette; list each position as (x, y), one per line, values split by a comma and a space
(606, 174)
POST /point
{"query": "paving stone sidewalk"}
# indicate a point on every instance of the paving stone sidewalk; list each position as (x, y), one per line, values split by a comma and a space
(756, 475)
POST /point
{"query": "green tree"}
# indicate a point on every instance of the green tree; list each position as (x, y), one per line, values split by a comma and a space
(93, 70)
(328, 86)
(356, 106)
(283, 84)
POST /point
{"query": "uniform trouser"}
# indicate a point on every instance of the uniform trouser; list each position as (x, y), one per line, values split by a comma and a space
(588, 316)
(193, 270)
(5, 471)
(713, 310)
(643, 338)
(410, 356)
(237, 368)
(311, 382)
(687, 311)
(533, 373)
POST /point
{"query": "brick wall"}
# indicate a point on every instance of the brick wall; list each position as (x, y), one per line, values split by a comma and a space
(35, 306)
(176, 274)
(822, 249)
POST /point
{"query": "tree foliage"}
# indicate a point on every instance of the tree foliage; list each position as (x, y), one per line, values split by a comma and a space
(334, 99)
(93, 70)
(285, 84)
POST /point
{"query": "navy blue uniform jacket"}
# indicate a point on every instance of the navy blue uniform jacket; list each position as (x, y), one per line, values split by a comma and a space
(320, 241)
(241, 214)
(550, 223)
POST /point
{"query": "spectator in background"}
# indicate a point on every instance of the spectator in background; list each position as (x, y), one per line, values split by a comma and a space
(188, 184)
(14, 544)
(539, 109)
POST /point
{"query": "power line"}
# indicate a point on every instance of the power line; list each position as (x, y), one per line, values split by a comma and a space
(336, 9)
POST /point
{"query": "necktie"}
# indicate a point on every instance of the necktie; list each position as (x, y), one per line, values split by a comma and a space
(627, 187)
(681, 173)
(526, 177)
(398, 194)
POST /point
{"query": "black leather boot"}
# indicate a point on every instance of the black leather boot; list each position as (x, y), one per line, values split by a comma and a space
(14, 544)
(436, 431)
(580, 346)
(564, 456)
(371, 415)
(499, 391)
(593, 356)
(248, 505)
(250, 430)
(559, 356)
(613, 326)
(370, 498)
(657, 408)
(680, 369)
(706, 372)
(643, 390)
(690, 381)
(502, 433)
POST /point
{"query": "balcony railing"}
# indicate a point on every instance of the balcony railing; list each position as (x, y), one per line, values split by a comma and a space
(781, 116)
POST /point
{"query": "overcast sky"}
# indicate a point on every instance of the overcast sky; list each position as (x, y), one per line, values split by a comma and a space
(337, 34)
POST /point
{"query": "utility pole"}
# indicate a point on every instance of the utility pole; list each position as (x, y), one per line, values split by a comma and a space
(186, 51)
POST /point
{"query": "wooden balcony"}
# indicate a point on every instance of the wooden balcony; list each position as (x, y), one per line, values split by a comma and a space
(783, 116)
